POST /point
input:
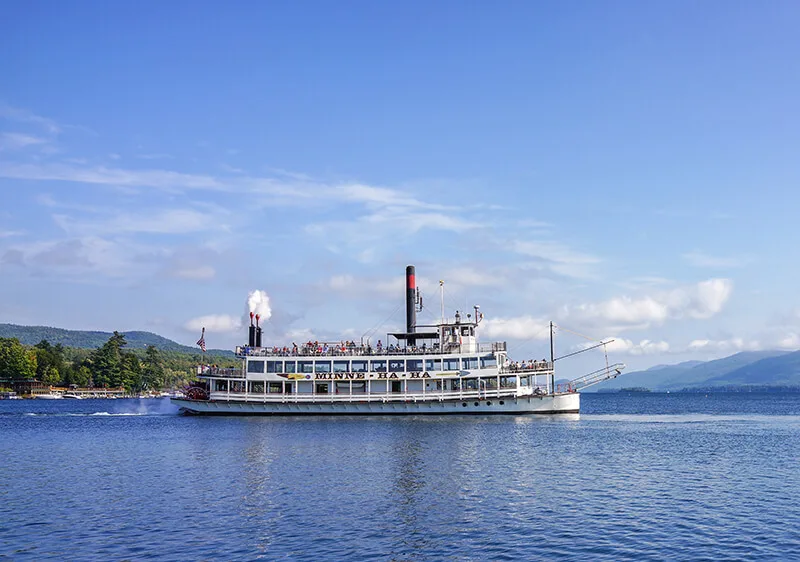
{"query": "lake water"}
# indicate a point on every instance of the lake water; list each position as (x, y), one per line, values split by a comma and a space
(634, 477)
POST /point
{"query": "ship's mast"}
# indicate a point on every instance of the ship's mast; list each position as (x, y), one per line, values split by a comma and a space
(441, 292)
(552, 361)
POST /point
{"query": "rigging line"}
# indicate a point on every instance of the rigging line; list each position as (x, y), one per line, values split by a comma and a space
(579, 334)
(526, 341)
(371, 332)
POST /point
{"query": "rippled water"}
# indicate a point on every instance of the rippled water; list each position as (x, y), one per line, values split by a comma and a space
(634, 477)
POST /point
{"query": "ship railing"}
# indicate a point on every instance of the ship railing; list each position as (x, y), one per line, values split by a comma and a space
(432, 396)
(598, 376)
(529, 367)
(339, 350)
(210, 371)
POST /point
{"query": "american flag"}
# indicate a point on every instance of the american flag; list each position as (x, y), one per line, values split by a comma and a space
(202, 341)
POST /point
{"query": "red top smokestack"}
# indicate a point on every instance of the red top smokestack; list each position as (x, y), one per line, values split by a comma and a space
(251, 318)
(257, 317)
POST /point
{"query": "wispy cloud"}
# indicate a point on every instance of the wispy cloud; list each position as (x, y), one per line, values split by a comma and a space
(155, 156)
(643, 347)
(101, 175)
(16, 141)
(167, 221)
(700, 301)
(701, 259)
(557, 257)
(20, 115)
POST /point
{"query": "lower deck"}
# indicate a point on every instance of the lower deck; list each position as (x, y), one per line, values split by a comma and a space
(567, 403)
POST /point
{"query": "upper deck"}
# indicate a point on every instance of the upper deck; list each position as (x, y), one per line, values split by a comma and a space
(330, 349)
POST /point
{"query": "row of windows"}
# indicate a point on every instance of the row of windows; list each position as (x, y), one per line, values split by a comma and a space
(372, 366)
(258, 387)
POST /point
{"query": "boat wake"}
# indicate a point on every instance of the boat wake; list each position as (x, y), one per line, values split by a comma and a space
(689, 418)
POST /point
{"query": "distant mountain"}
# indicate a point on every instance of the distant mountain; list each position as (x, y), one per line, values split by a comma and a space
(31, 335)
(747, 367)
(780, 370)
(684, 365)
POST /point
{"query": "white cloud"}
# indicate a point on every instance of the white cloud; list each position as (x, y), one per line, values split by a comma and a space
(197, 272)
(76, 256)
(700, 259)
(520, 327)
(701, 301)
(789, 341)
(214, 323)
(169, 221)
(24, 116)
(16, 141)
(644, 347)
(731, 345)
(556, 256)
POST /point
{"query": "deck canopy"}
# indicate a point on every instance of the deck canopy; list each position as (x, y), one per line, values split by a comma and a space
(415, 335)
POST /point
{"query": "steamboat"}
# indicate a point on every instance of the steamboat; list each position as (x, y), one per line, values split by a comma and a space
(427, 369)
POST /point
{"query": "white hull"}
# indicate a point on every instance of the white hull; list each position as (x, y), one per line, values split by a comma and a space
(552, 404)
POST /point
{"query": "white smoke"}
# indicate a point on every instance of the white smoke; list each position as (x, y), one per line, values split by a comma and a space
(258, 303)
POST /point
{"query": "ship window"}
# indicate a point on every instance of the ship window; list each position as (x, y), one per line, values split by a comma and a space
(471, 384)
(255, 366)
(305, 366)
(274, 366)
(341, 366)
(470, 362)
(275, 387)
(508, 382)
(322, 367)
(455, 384)
(433, 364)
(451, 364)
(414, 365)
(321, 388)
(465, 331)
(220, 386)
(524, 381)
(378, 366)
(359, 387)
(257, 387)
(342, 388)
(489, 382)
(359, 366)
(290, 367)
(397, 365)
(488, 362)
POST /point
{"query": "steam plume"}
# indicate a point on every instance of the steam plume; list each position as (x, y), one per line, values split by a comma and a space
(258, 303)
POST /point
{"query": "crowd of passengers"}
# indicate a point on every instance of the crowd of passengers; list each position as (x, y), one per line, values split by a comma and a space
(317, 348)
(531, 365)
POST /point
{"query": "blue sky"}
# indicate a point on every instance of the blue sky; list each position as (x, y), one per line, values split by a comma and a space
(626, 169)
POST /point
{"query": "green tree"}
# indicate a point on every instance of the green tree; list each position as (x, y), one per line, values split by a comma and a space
(131, 372)
(153, 369)
(49, 362)
(106, 362)
(52, 376)
(16, 362)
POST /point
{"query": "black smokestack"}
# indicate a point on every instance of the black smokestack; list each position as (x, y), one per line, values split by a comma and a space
(251, 340)
(258, 331)
(411, 305)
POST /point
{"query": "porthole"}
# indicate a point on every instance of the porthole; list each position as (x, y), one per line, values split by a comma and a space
(502, 402)
(464, 404)
(488, 403)
(477, 403)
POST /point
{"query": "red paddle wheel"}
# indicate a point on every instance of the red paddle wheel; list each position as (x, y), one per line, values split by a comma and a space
(196, 393)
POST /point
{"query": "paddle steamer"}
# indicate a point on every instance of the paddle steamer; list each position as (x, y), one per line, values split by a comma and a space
(427, 369)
